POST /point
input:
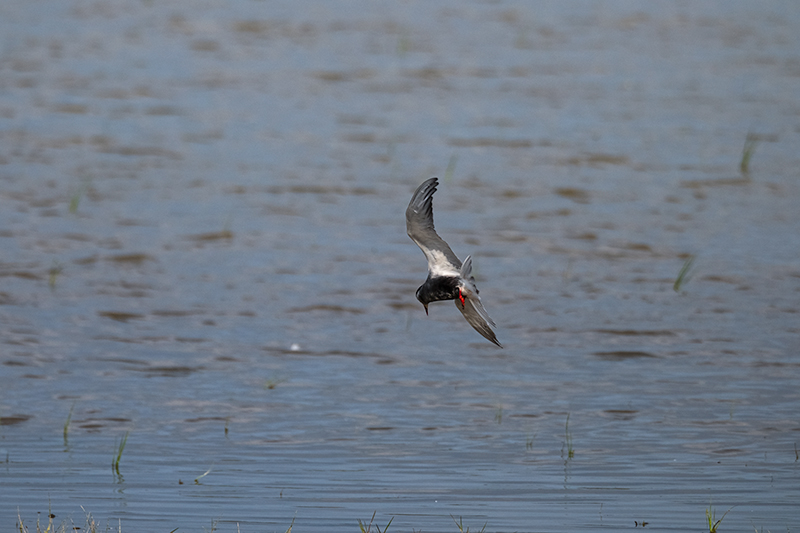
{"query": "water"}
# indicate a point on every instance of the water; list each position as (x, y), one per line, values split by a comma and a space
(202, 246)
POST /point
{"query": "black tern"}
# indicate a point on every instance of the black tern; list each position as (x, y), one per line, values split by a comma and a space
(448, 277)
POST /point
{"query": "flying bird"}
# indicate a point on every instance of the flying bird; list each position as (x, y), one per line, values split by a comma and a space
(448, 277)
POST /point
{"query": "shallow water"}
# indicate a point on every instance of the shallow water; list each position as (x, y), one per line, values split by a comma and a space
(202, 245)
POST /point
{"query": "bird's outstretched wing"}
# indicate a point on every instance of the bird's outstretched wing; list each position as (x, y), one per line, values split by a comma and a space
(472, 308)
(477, 317)
(419, 224)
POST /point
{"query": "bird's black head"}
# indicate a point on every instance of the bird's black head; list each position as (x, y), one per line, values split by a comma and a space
(438, 288)
(423, 297)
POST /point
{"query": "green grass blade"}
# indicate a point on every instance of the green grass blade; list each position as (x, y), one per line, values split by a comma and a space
(66, 425)
(683, 275)
(120, 449)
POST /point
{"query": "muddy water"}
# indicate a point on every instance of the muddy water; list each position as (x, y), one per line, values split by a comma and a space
(202, 246)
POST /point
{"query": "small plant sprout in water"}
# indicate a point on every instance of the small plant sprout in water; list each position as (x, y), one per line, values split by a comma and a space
(529, 441)
(53, 273)
(711, 517)
(76, 198)
(91, 525)
(367, 528)
(683, 276)
(498, 414)
(460, 525)
(750, 143)
(201, 476)
(120, 449)
(271, 383)
(50, 527)
(66, 426)
(568, 440)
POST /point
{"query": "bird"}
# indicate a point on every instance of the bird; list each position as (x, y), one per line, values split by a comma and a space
(448, 278)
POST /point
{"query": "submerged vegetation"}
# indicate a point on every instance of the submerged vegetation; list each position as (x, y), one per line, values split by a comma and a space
(75, 200)
(120, 448)
(460, 525)
(529, 441)
(66, 426)
(713, 523)
(204, 474)
(273, 382)
(498, 414)
(367, 528)
(568, 440)
(91, 525)
(683, 275)
(52, 274)
(750, 143)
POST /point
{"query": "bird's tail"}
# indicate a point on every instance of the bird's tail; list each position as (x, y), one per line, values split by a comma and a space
(466, 268)
(466, 275)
